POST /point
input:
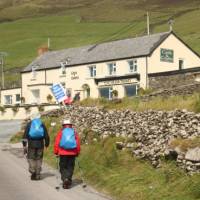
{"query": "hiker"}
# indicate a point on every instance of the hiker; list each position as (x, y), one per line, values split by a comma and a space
(68, 100)
(76, 97)
(35, 135)
(67, 147)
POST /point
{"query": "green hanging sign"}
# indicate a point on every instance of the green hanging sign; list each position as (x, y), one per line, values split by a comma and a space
(166, 55)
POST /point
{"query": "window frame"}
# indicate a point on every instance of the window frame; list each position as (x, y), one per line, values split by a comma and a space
(92, 71)
(10, 99)
(112, 72)
(110, 89)
(125, 93)
(183, 63)
(134, 66)
(17, 101)
(63, 84)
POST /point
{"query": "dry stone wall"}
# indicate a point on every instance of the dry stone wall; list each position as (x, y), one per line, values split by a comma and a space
(168, 80)
(183, 90)
(148, 133)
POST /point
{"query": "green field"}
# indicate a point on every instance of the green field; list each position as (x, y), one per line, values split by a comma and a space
(27, 24)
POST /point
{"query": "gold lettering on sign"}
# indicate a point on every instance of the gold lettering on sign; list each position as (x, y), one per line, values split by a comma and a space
(116, 82)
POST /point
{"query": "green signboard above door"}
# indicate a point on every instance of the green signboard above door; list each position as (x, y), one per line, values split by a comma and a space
(166, 55)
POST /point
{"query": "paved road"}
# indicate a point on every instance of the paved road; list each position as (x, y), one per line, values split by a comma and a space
(15, 183)
(8, 128)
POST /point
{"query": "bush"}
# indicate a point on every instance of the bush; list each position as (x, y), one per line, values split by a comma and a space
(197, 104)
(15, 109)
(40, 108)
(142, 91)
(88, 136)
(49, 98)
(2, 109)
(17, 137)
(27, 108)
(115, 93)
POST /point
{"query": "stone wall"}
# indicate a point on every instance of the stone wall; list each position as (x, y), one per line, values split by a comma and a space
(183, 90)
(147, 134)
(172, 79)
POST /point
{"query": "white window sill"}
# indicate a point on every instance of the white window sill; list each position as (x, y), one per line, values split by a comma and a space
(88, 78)
(111, 75)
(62, 75)
(132, 73)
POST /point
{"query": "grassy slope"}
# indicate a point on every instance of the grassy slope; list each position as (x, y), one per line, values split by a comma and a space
(87, 21)
(190, 103)
(121, 175)
(124, 177)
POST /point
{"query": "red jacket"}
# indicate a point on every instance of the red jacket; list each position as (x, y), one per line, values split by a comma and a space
(68, 101)
(60, 151)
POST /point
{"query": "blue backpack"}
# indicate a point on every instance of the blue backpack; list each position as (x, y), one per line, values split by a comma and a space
(36, 130)
(68, 140)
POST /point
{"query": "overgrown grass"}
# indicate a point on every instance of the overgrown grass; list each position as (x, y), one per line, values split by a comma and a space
(122, 176)
(191, 103)
(17, 137)
(126, 178)
(185, 144)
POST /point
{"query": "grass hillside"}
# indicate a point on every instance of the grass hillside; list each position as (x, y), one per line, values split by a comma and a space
(26, 24)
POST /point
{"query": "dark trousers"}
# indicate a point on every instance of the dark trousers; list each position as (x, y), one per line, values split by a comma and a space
(67, 164)
(35, 157)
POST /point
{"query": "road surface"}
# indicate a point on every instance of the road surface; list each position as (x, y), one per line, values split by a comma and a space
(15, 183)
(8, 128)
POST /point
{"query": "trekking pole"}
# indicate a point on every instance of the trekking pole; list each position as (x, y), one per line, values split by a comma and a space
(57, 174)
(53, 124)
(81, 174)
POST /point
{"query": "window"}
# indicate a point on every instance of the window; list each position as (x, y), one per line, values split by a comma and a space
(106, 92)
(63, 84)
(181, 64)
(130, 90)
(68, 92)
(35, 96)
(92, 70)
(34, 73)
(132, 66)
(63, 68)
(17, 98)
(112, 68)
(8, 99)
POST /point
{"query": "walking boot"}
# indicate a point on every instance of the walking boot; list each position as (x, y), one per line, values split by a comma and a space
(66, 184)
(33, 176)
(37, 177)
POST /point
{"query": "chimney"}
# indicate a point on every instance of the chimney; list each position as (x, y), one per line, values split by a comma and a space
(42, 50)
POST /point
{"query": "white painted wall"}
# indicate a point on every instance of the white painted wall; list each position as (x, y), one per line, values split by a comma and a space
(13, 92)
(22, 113)
(180, 51)
(76, 77)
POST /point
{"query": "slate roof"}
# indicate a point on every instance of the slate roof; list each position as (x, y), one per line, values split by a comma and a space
(126, 48)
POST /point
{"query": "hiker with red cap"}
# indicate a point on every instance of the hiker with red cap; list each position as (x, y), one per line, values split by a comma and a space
(67, 147)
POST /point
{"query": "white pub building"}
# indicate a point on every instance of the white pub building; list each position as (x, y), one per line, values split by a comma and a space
(96, 70)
